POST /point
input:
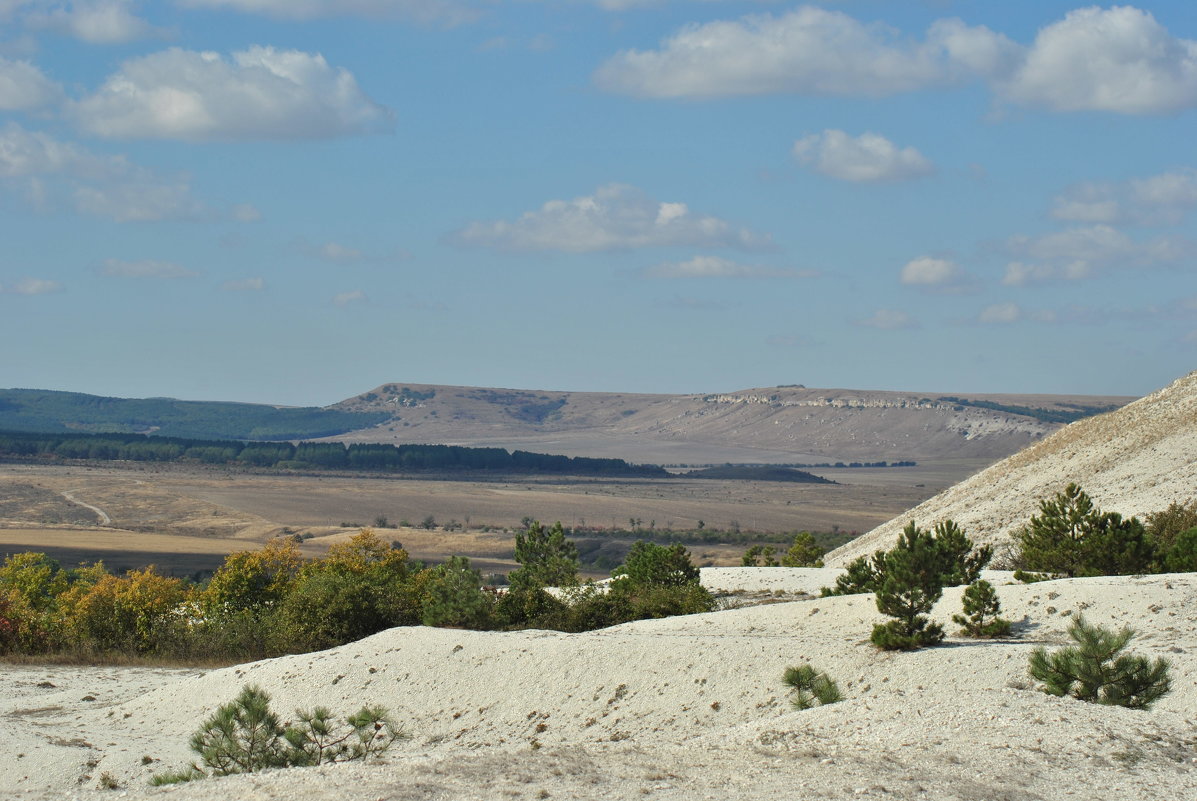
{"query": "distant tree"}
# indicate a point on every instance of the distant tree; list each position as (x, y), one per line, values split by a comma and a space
(253, 582)
(648, 564)
(454, 597)
(1182, 556)
(804, 552)
(547, 558)
(1071, 537)
(1164, 527)
(759, 556)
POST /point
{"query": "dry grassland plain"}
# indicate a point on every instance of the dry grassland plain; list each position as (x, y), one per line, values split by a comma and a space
(186, 519)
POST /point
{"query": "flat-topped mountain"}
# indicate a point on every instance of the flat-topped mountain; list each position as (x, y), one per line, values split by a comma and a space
(787, 424)
(1134, 461)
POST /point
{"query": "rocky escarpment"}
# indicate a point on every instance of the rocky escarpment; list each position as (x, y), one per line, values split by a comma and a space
(781, 424)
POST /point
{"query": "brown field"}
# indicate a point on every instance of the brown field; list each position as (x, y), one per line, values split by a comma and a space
(186, 519)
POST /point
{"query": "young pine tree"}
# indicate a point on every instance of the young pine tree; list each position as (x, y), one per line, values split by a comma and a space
(810, 685)
(911, 584)
(1096, 670)
(547, 558)
(981, 610)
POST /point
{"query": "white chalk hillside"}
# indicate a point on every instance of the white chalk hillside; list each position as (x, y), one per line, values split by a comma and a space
(1134, 461)
(681, 709)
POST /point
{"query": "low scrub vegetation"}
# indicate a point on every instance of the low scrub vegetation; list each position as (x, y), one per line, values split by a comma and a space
(245, 736)
(271, 601)
(1096, 670)
(1071, 537)
(810, 686)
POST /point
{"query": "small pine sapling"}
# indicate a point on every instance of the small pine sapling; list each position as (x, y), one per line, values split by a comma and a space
(241, 737)
(981, 610)
(810, 685)
(912, 582)
(246, 736)
(317, 739)
(1096, 670)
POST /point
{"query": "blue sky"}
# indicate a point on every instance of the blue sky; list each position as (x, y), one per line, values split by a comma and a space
(293, 201)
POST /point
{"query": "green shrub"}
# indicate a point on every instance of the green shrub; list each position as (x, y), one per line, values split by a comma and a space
(661, 565)
(245, 736)
(1096, 670)
(1182, 556)
(759, 556)
(912, 582)
(810, 685)
(804, 552)
(953, 559)
(1071, 537)
(981, 610)
(861, 575)
(1164, 527)
(547, 558)
(521, 607)
(454, 597)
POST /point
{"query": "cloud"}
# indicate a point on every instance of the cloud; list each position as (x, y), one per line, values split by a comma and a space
(888, 320)
(24, 87)
(244, 285)
(615, 217)
(246, 213)
(1080, 253)
(867, 158)
(718, 267)
(345, 298)
(807, 51)
(1162, 199)
(147, 268)
(49, 171)
(92, 21)
(32, 286)
(258, 93)
(449, 12)
(337, 254)
(1118, 60)
(937, 275)
(1009, 313)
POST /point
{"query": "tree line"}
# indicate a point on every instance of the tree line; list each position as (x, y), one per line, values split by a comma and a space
(272, 601)
(310, 455)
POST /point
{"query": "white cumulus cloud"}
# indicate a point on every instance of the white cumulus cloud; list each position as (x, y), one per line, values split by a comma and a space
(1079, 253)
(936, 275)
(867, 158)
(92, 21)
(440, 11)
(719, 267)
(805, 51)
(146, 268)
(344, 299)
(24, 87)
(615, 217)
(1162, 199)
(258, 93)
(32, 286)
(50, 172)
(1118, 59)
